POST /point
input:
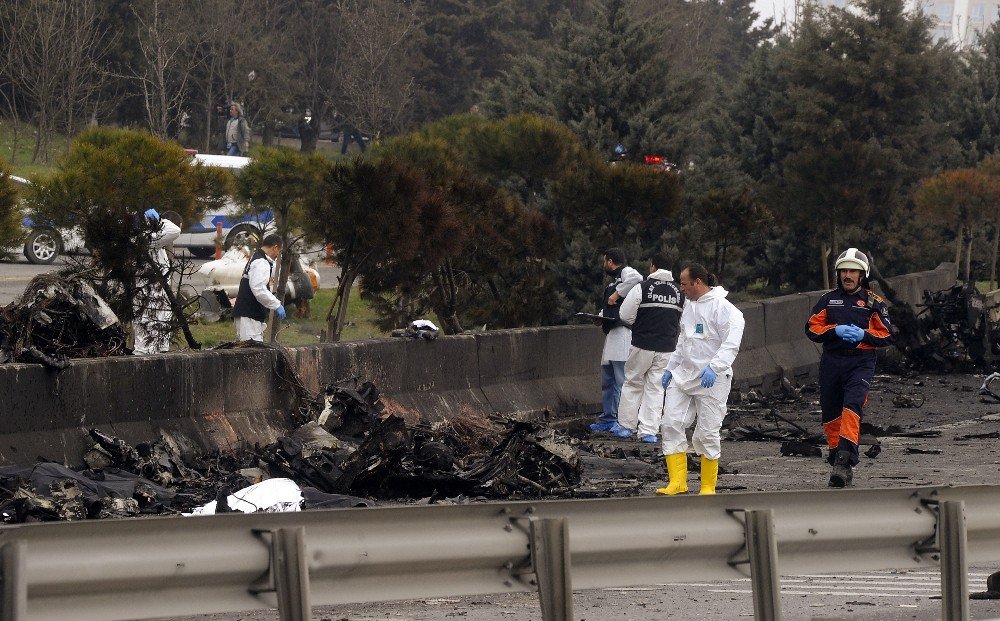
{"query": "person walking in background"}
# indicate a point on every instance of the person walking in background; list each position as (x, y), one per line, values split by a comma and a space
(254, 300)
(352, 133)
(617, 336)
(851, 322)
(237, 131)
(654, 310)
(698, 378)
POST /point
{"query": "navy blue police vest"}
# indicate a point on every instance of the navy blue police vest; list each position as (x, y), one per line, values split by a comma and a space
(657, 324)
(246, 302)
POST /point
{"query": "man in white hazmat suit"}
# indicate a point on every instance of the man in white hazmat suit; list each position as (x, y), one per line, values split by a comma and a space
(254, 300)
(653, 307)
(153, 313)
(698, 378)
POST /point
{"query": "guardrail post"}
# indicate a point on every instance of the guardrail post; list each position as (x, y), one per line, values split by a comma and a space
(952, 539)
(762, 548)
(291, 574)
(550, 558)
(14, 596)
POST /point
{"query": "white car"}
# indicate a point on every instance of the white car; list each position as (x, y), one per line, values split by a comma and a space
(238, 229)
(44, 242)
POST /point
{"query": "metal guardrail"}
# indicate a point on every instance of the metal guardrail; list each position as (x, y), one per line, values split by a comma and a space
(128, 569)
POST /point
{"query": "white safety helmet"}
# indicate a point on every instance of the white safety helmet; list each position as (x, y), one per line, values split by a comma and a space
(852, 259)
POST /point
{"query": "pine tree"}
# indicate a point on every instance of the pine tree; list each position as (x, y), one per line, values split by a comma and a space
(603, 77)
(978, 101)
(11, 232)
(857, 117)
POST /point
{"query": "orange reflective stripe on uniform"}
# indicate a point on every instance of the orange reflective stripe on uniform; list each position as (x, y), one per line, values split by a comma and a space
(817, 323)
(832, 430)
(850, 427)
(877, 329)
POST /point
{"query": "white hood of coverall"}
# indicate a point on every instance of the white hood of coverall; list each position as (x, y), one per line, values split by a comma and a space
(715, 344)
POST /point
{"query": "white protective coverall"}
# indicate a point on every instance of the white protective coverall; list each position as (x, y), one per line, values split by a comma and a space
(259, 275)
(154, 308)
(642, 393)
(710, 335)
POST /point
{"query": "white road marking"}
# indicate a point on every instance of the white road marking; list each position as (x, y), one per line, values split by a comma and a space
(917, 585)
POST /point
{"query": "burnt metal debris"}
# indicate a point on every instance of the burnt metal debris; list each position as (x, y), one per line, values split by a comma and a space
(469, 454)
(992, 588)
(987, 390)
(754, 417)
(57, 318)
(349, 454)
(956, 329)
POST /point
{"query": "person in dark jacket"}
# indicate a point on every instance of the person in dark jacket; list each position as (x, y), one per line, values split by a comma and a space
(851, 322)
(654, 310)
(254, 300)
(617, 336)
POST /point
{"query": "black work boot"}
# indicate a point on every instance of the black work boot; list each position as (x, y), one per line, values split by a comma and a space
(842, 473)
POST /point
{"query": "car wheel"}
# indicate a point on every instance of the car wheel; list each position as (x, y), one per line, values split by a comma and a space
(243, 235)
(201, 252)
(42, 246)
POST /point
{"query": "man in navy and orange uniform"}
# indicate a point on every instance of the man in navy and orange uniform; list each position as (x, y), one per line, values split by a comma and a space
(851, 322)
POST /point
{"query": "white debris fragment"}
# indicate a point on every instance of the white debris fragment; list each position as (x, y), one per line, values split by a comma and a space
(270, 496)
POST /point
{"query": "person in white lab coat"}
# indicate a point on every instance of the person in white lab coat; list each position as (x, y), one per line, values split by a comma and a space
(150, 328)
(617, 337)
(698, 378)
(254, 300)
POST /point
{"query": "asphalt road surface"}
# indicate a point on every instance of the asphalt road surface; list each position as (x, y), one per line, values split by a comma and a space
(14, 276)
(16, 272)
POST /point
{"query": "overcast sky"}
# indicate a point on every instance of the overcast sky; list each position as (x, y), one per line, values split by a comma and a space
(774, 8)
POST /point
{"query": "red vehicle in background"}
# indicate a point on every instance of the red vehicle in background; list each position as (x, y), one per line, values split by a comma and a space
(660, 162)
(653, 160)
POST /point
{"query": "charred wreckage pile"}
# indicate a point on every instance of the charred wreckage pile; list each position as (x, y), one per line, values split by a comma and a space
(372, 457)
(56, 319)
(346, 451)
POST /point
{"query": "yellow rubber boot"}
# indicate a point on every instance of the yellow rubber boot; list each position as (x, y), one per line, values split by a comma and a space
(677, 468)
(709, 475)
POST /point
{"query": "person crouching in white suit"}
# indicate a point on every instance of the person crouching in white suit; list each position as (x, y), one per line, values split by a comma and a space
(151, 326)
(698, 378)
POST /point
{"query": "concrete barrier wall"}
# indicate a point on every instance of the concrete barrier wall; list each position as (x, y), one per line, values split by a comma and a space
(791, 353)
(219, 399)
(535, 370)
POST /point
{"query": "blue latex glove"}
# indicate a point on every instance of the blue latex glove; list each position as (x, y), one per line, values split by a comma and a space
(857, 334)
(850, 333)
(667, 376)
(708, 377)
(152, 215)
(280, 312)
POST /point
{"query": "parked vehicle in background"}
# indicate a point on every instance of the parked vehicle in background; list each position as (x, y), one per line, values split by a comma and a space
(653, 160)
(44, 242)
(238, 229)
